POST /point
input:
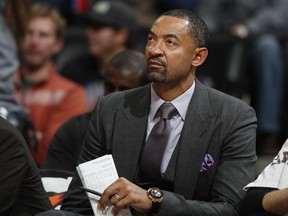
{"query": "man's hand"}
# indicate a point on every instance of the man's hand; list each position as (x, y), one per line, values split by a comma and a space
(123, 193)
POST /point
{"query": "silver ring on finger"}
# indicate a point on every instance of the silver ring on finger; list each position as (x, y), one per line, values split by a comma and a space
(118, 197)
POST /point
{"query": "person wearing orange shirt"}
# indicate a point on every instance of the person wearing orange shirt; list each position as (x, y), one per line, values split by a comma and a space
(50, 98)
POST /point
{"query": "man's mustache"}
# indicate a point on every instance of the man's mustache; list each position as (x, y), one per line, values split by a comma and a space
(157, 60)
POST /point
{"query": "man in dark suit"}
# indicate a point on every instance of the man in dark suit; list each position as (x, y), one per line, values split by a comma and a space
(210, 155)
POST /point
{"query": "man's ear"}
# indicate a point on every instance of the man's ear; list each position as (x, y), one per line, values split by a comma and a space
(58, 46)
(200, 56)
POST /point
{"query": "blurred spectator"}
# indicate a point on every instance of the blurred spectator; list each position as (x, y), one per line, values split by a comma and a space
(50, 98)
(146, 12)
(110, 29)
(22, 191)
(13, 17)
(262, 23)
(70, 9)
(126, 70)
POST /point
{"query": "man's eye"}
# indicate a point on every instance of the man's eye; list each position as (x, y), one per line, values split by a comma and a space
(170, 42)
(150, 38)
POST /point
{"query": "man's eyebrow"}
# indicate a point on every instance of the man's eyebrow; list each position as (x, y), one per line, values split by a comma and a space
(165, 36)
(171, 36)
(151, 33)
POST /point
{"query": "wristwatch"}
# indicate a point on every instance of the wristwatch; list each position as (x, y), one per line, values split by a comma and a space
(156, 195)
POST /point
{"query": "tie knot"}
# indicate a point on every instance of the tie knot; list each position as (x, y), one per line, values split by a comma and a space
(167, 110)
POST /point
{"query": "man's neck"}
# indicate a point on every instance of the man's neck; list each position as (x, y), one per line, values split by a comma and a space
(169, 92)
(36, 74)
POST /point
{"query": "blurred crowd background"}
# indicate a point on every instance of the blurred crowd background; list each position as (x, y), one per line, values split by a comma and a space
(248, 49)
(237, 30)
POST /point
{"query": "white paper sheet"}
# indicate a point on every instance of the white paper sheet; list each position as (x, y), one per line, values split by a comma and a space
(98, 174)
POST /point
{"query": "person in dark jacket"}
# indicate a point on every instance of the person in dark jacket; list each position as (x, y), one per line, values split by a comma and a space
(22, 191)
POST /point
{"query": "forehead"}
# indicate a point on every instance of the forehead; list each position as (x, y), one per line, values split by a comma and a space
(166, 25)
(44, 24)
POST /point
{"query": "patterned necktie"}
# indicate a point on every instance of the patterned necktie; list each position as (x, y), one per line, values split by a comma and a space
(156, 143)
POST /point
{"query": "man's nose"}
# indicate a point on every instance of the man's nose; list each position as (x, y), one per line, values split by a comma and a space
(157, 49)
(34, 38)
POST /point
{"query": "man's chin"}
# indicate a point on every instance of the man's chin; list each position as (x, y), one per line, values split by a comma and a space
(154, 76)
(33, 64)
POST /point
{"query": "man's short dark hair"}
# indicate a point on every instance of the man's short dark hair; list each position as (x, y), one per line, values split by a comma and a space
(196, 27)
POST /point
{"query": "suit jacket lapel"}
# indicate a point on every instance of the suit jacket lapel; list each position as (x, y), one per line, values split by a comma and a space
(193, 142)
(130, 129)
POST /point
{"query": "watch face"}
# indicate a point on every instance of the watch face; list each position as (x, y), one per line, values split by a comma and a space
(156, 193)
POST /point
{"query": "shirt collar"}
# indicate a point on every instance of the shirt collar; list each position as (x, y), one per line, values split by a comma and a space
(181, 103)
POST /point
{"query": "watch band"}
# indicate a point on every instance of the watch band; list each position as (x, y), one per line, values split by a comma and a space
(155, 207)
(156, 196)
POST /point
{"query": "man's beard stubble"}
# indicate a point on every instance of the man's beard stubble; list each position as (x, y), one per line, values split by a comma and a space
(157, 76)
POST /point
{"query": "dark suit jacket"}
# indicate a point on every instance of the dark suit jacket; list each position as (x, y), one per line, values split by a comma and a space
(21, 189)
(216, 124)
